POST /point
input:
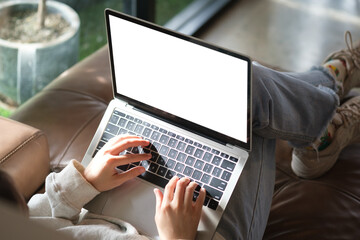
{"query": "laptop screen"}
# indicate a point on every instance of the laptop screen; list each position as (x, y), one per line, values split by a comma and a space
(180, 75)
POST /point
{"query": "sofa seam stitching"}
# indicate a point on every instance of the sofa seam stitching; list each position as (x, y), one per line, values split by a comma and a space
(15, 150)
(77, 92)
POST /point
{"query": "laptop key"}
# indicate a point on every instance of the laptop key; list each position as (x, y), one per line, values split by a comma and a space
(130, 126)
(170, 174)
(208, 168)
(190, 161)
(155, 127)
(162, 130)
(130, 117)
(173, 153)
(139, 129)
(147, 132)
(179, 167)
(205, 178)
(181, 146)
(114, 119)
(216, 172)
(153, 167)
(156, 146)
(218, 184)
(172, 143)
(190, 150)
(197, 175)
(181, 138)
(207, 157)
(164, 150)
(226, 175)
(199, 164)
(107, 136)
(181, 157)
(213, 193)
(215, 151)
(164, 139)
(155, 136)
(213, 204)
(199, 153)
(228, 165)
(119, 113)
(112, 129)
(170, 164)
(122, 131)
(157, 180)
(216, 160)
(161, 160)
(188, 171)
(161, 171)
(122, 122)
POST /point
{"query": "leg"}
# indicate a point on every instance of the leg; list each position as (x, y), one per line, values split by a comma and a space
(248, 210)
(282, 107)
(292, 106)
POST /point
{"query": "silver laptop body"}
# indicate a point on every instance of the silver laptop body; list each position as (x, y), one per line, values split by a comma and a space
(192, 101)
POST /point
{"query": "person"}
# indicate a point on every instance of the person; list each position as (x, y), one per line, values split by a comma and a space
(302, 108)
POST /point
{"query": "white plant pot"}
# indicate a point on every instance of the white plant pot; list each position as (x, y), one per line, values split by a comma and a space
(26, 68)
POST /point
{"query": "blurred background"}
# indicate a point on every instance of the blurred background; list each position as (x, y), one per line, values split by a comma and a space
(289, 34)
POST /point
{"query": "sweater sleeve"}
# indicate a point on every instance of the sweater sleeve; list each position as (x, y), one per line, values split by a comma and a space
(68, 191)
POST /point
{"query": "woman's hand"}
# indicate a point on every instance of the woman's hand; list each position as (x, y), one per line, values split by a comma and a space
(101, 172)
(177, 216)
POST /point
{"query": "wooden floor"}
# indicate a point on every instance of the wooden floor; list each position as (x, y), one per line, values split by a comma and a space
(290, 34)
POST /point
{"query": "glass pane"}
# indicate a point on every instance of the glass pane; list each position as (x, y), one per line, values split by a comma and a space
(93, 32)
(166, 9)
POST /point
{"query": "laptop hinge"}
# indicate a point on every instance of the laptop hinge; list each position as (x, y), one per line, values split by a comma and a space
(178, 125)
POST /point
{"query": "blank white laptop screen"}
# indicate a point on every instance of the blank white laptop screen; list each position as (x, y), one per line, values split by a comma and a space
(181, 78)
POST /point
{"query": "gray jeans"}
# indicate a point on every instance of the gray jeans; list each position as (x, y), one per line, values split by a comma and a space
(295, 107)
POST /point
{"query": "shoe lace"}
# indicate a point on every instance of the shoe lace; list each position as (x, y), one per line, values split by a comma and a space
(350, 113)
(354, 52)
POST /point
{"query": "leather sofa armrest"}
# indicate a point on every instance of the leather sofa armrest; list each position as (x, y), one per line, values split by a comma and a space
(24, 155)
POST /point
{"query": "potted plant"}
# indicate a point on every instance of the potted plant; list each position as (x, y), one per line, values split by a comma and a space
(38, 41)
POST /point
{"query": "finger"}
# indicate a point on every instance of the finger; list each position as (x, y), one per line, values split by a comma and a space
(189, 193)
(200, 200)
(119, 138)
(169, 189)
(180, 191)
(159, 197)
(129, 174)
(120, 144)
(127, 143)
(129, 158)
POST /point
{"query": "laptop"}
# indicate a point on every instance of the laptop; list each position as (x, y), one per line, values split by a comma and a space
(192, 101)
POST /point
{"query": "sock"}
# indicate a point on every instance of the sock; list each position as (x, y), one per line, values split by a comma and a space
(326, 138)
(337, 68)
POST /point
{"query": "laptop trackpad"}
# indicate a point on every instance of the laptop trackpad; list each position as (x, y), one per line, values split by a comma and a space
(127, 203)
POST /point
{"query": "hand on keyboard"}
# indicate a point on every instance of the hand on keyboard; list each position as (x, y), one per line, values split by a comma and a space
(177, 216)
(101, 172)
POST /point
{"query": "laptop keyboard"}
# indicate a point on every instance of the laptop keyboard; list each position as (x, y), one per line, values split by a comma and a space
(173, 155)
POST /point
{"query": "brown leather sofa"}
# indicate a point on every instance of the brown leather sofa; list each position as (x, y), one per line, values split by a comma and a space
(68, 111)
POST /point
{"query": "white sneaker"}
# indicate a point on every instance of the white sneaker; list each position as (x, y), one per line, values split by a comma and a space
(309, 163)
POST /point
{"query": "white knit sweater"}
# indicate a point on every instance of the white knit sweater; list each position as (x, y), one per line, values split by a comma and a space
(61, 208)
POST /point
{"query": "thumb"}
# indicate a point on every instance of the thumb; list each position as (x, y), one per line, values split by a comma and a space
(129, 174)
(159, 197)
